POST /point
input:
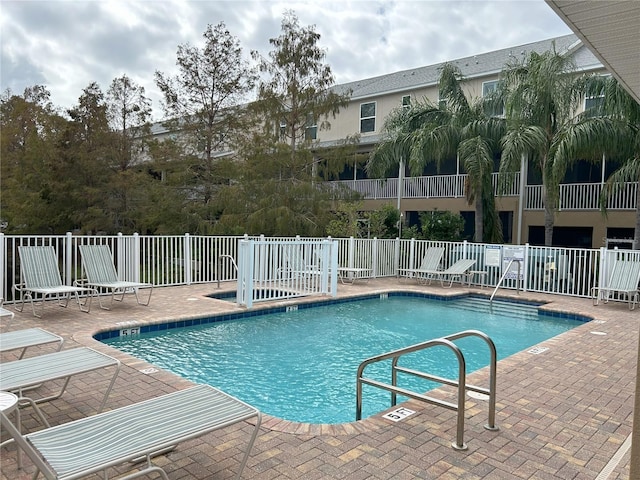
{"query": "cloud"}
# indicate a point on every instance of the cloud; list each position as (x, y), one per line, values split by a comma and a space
(66, 45)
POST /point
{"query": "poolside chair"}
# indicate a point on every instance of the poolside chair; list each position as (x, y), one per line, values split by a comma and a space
(458, 270)
(41, 277)
(30, 337)
(623, 281)
(428, 268)
(297, 272)
(127, 434)
(100, 273)
(20, 376)
(4, 312)
(295, 261)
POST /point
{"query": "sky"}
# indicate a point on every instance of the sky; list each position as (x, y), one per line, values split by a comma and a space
(67, 44)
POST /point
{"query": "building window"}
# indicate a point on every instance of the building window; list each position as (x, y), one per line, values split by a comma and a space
(593, 103)
(489, 89)
(282, 130)
(367, 117)
(311, 130)
(406, 102)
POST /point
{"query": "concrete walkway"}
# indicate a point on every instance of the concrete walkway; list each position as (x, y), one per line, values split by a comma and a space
(563, 413)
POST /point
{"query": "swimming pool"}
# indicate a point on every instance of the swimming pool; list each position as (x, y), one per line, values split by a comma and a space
(301, 365)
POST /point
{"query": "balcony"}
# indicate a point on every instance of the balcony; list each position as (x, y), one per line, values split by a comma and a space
(572, 196)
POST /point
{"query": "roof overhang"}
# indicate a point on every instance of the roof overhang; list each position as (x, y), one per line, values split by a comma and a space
(611, 30)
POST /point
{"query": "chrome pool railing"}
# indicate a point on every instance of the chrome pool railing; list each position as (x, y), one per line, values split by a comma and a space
(219, 269)
(461, 384)
(504, 275)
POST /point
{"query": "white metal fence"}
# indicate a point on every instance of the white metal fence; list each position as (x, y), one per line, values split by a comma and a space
(189, 259)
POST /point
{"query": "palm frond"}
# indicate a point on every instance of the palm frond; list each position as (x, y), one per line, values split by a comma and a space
(628, 172)
(589, 139)
(527, 140)
(387, 155)
(491, 129)
(476, 156)
(432, 142)
(450, 90)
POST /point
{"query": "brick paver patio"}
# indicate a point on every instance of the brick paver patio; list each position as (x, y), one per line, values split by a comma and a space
(565, 413)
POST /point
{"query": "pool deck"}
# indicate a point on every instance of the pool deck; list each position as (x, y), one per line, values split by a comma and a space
(564, 413)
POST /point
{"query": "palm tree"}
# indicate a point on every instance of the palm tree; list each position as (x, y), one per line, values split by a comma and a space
(435, 133)
(476, 152)
(612, 129)
(541, 96)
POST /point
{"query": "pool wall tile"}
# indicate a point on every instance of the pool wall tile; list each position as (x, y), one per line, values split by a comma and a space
(334, 301)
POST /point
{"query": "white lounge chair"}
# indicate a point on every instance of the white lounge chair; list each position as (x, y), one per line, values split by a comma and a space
(20, 376)
(30, 337)
(5, 313)
(142, 430)
(428, 268)
(457, 271)
(297, 272)
(296, 262)
(100, 273)
(41, 277)
(623, 281)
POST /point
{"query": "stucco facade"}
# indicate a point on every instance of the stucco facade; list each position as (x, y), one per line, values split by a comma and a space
(578, 223)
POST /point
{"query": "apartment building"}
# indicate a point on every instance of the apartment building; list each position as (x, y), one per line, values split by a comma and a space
(579, 221)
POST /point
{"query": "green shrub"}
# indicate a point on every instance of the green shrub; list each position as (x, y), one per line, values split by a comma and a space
(443, 226)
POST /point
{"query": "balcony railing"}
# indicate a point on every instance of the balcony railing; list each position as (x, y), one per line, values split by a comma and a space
(572, 196)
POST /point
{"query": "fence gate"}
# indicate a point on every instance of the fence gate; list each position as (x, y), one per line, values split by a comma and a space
(271, 269)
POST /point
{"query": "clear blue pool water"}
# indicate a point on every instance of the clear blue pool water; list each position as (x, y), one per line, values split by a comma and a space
(301, 365)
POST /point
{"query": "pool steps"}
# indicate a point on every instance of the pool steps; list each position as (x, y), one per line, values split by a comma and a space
(483, 307)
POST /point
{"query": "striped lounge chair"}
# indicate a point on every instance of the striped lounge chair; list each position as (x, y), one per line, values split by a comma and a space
(100, 273)
(136, 432)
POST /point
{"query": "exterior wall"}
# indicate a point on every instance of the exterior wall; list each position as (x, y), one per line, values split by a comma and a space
(473, 87)
(530, 218)
(346, 123)
(348, 120)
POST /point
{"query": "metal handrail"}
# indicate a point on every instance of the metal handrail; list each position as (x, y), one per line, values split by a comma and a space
(506, 271)
(459, 407)
(233, 262)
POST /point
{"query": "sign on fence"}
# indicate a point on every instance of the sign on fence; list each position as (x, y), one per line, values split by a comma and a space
(510, 253)
(492, 255)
